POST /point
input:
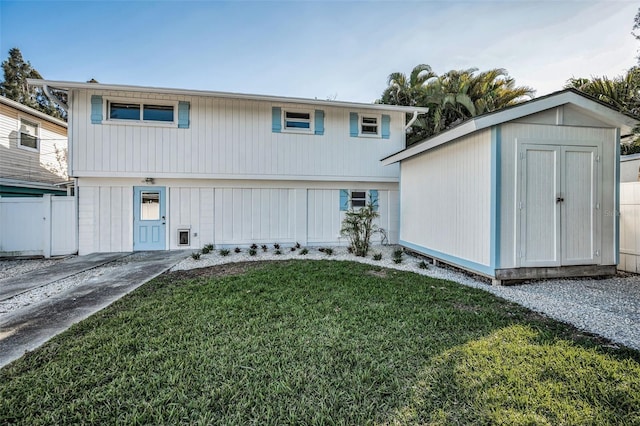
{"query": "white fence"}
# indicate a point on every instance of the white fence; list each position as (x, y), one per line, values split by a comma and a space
(630, 227)
(38, 226)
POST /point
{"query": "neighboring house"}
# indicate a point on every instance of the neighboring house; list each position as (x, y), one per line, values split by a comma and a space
(630, 168)
(161, 169)
(530, 191)
(33, 152)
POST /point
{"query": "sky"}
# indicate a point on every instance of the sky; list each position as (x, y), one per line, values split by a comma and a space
(342, 50)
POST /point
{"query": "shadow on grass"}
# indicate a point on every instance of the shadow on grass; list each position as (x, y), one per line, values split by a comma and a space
(318, 342)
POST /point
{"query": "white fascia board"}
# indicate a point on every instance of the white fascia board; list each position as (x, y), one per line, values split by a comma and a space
(17, 105)
(67, 85)
(629, 157)
(604, 113)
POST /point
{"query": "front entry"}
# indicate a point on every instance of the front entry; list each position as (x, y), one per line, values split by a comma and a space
(559, 205)
(149, 218)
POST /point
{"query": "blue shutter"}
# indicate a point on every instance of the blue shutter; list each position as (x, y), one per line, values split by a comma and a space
(344, 200)
(183, 115)
(373, 197)
(386, 121)
(319, 122)
(353, 124)
(96, 109)
(276, 121)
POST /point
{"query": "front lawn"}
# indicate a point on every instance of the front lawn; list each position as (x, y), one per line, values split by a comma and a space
(319, 342)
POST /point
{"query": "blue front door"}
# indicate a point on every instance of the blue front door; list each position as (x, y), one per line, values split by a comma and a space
(149, 218)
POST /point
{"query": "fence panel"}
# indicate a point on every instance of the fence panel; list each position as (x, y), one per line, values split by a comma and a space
(630, 227)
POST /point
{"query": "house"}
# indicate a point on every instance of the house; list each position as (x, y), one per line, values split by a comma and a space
(159, 169)
(531, 191)
(33, 150)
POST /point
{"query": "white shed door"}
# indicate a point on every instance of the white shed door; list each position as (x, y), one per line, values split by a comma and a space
(558, 202)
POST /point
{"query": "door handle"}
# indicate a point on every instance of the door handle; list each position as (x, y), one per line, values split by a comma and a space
(559, 199)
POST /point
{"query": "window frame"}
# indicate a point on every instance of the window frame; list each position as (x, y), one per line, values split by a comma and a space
(37, 136)
(107, 101)
(283, 121)
(364, 199)
(362, 117)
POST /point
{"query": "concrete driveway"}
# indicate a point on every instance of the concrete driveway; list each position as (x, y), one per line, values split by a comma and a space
(28, 327)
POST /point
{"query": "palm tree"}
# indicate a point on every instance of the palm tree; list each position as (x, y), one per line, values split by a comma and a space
(404, 91)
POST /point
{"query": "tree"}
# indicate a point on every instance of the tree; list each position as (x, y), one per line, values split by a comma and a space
(452, 97)
(14, 86)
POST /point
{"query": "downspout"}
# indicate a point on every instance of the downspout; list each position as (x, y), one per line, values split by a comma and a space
(54, 98)
(413, 120)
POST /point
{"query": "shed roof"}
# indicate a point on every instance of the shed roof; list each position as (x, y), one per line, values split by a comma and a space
(586, 103)
(67, 85)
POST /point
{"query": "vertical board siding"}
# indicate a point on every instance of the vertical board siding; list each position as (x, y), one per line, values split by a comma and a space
(324, 215)
(229, 138)
(630, 227)
(446, 199)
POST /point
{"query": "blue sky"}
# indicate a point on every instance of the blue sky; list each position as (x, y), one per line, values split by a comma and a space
(330, 49)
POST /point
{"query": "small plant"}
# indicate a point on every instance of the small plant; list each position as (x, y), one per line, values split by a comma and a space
(328, 251)
(423, 265)
(298, 245)
(278, 252)
(237, 250)
(264, 247)
(224, 252)
(358, 226)
(397, 256)
(196, 255)
(276, 246)
(209, 247)
(350, 249)
(304, 251)
(252, 251)
(321, 249)
(377, 256)
(254, 246)
(205, 250)
(293, 249)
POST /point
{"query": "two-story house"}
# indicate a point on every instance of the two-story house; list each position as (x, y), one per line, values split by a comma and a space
(161, 169)
(33, 152)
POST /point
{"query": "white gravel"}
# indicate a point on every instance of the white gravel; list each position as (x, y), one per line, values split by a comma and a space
(12, 268)
(607, 307)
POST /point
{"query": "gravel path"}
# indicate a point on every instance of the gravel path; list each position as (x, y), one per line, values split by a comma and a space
(606, 307)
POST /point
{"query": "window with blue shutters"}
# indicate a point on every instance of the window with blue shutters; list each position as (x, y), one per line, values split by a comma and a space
(123, 111)
(357, 198)
(369, 125)
(296, 120)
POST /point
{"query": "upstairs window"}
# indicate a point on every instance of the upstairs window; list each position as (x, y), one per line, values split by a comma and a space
(29, 134)
(141, 112)
(297, 120)
(369, 125)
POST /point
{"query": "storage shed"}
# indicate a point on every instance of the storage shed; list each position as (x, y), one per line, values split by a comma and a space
(531, 191)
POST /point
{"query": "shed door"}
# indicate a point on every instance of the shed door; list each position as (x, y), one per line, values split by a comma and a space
(558, 205)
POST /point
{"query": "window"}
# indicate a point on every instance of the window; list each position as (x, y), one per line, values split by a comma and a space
(150, 112)
(358, 199)
(299, 121)
(29, 134)
(369, 125)
(150, 206)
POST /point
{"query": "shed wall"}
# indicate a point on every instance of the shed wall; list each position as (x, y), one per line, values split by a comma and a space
(445, 199)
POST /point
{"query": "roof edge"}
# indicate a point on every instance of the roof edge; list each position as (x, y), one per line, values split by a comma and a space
(32, 111)
(67, 85)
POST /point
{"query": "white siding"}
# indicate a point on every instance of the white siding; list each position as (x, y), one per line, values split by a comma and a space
(513, 134)
(445, 199)
(229, 139)
(630, 227)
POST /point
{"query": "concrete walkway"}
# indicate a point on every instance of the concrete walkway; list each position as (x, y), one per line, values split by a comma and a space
(27, 328)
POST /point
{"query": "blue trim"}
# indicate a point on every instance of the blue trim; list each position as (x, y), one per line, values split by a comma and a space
(386, 126)
(96, 109)
(373, 197)
(616, 216)
(466, 264)
(183, 115)
(319, 122)
(276, 119)
(344, 200)
(496, 193)
(353, 124)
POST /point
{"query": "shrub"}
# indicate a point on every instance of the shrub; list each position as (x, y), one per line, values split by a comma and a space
(377, 256)
(264, 247)
(252, 251)
(278, 252)
(328, 251)
(237, 250)
(397, 256)
(423, 265)
(205, 250)
(304, 251)
(297, 245)
(276, 246)
(293, 249)
(224, 252)
(195, 255)
(358, 227)
(254, 246)
(209, 247)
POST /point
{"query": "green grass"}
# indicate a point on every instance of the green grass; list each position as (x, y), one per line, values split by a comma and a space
(319, 342)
